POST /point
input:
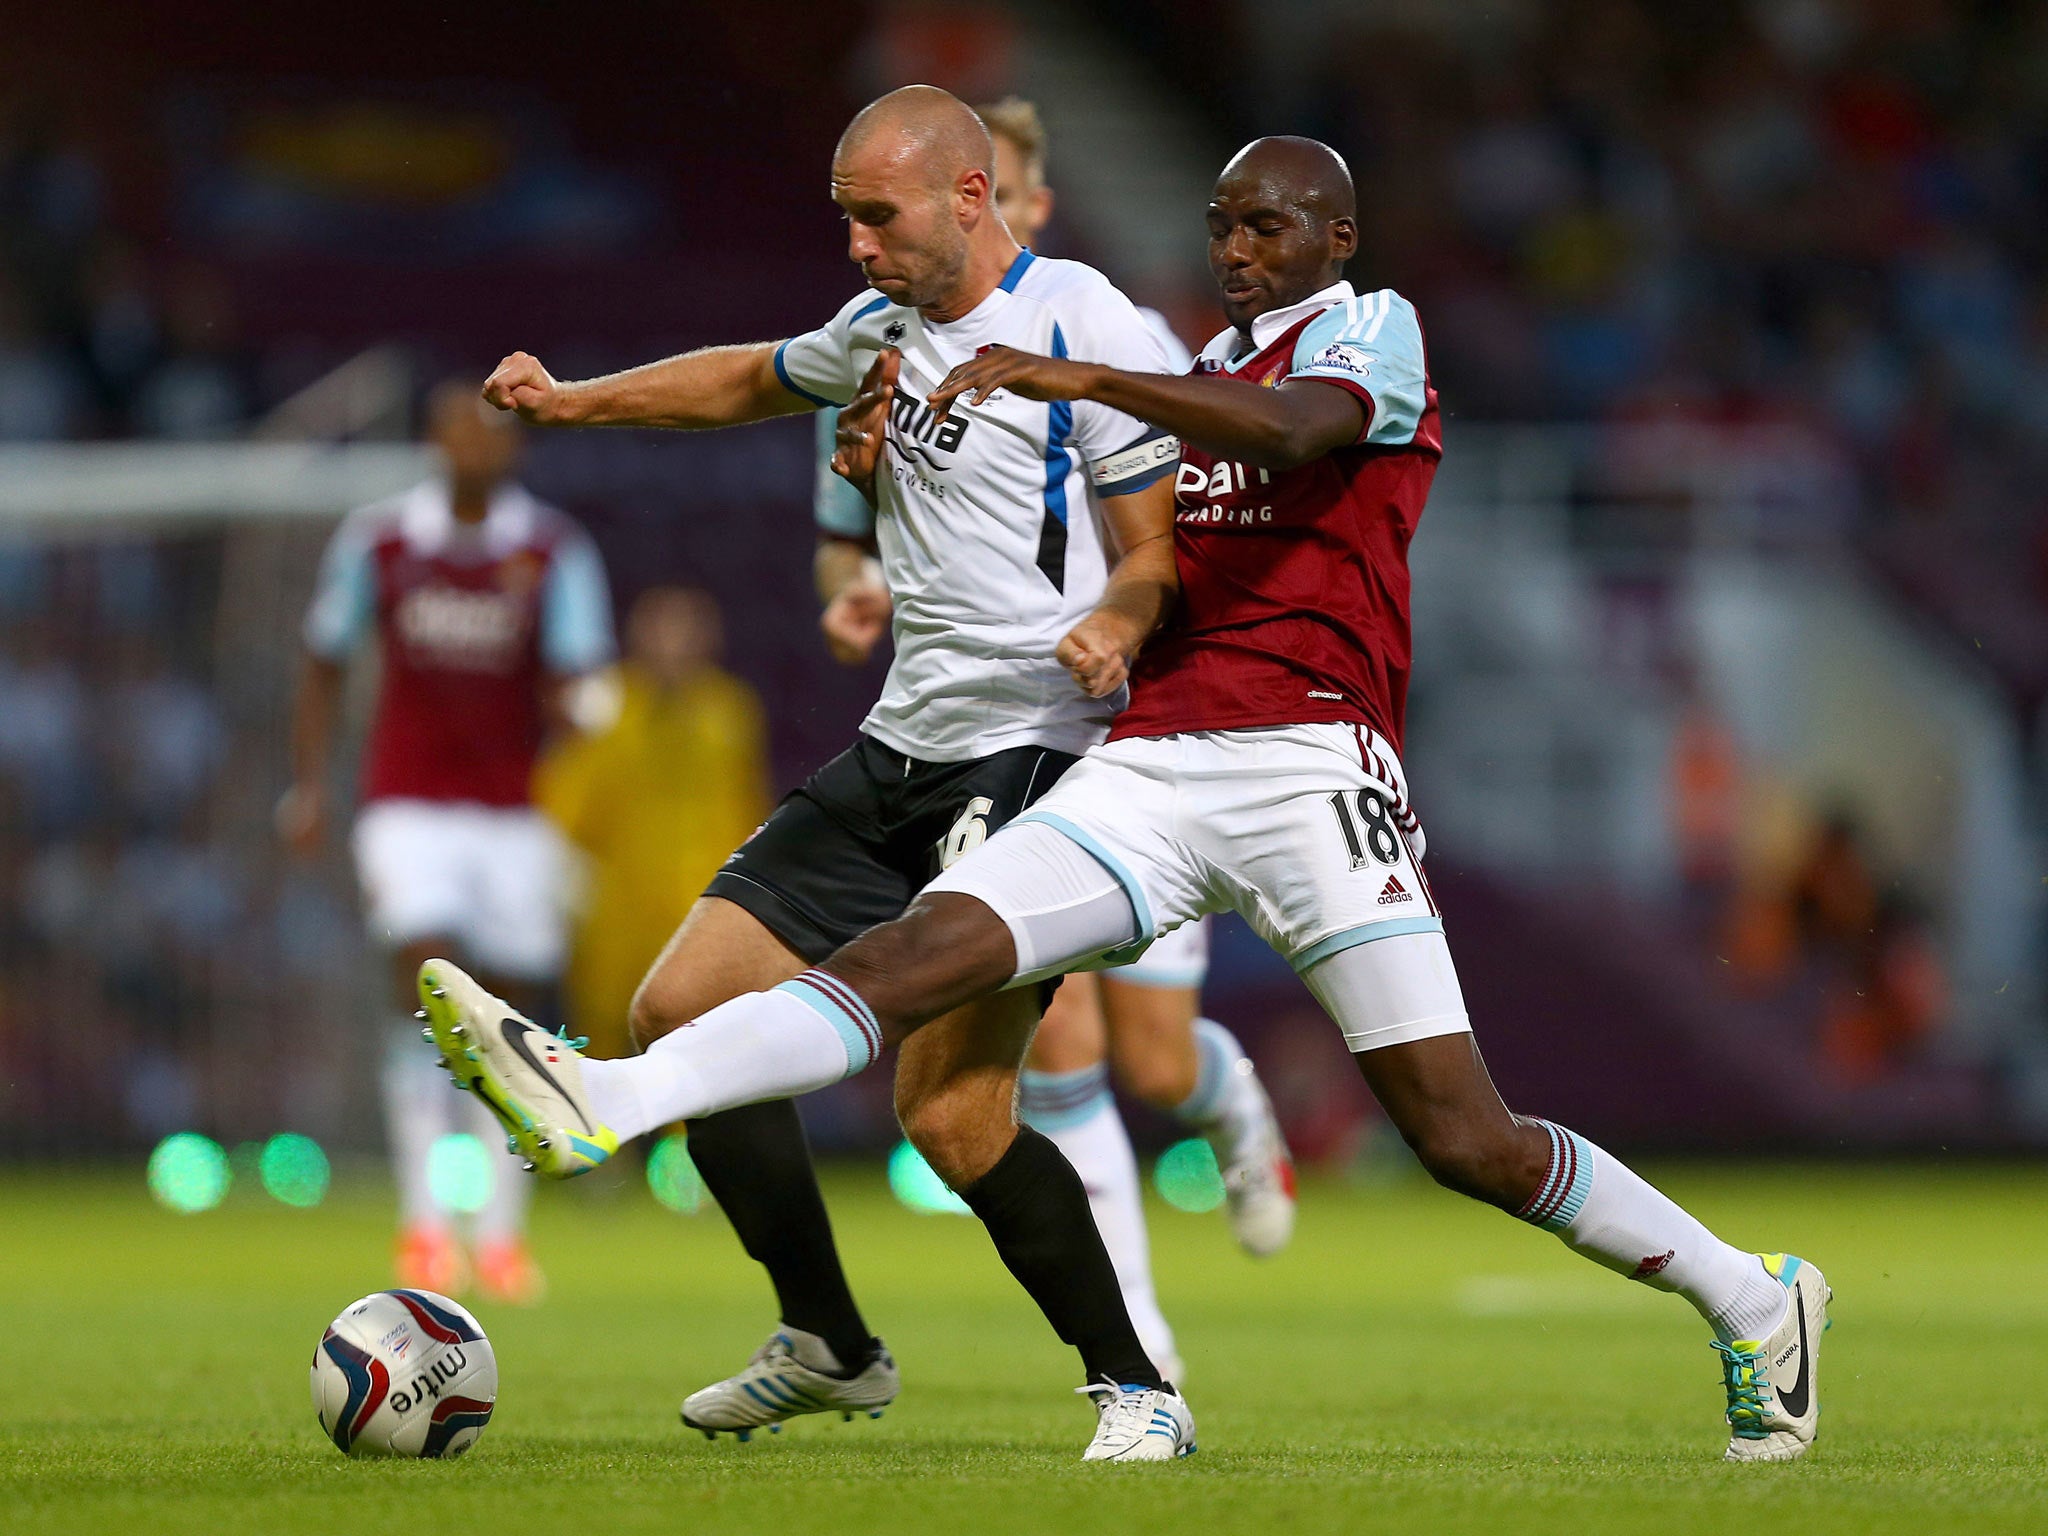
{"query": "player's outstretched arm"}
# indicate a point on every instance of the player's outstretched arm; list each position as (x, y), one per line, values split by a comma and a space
(711, 387)
(1267, 428)
(1099, 650)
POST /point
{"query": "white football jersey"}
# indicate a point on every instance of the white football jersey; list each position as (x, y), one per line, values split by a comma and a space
(990, 540)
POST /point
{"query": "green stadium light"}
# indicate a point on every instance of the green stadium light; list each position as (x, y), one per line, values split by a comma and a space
(673, 1177)
(1186, 1176)
(294, 1169)
(189, 1172)
(912, 1181)
(459, 1173)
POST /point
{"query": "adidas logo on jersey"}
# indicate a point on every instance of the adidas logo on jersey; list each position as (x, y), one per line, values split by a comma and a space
(1393, 893)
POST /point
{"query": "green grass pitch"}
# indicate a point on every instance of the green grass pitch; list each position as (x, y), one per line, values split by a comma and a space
(1412, 1363)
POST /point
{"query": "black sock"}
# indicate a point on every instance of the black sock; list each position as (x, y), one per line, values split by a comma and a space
(1036, 1210)
(757, 1164)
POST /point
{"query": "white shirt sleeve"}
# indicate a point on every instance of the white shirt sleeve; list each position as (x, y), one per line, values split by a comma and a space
(1123, 454)
(818, 365)
(1372, 346)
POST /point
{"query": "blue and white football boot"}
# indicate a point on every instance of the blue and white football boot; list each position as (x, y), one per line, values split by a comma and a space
(1139, 1423)
(794, 1373)
(1774, 1383)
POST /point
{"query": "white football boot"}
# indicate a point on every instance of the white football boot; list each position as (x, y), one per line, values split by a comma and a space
(1139, 1424)
(1258, 1172)
(793, 1373)
(1774, 1384)
(530, 1080)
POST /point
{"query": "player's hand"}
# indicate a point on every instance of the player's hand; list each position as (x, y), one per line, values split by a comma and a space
(1097, 653)
(302, 819)
(863, 425)
(855, 621)
(1021, 373)
(521, 384)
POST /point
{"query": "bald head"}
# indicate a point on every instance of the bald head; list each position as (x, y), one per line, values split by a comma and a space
(915, 176)
(919, 126)
(1283, 220)
(1301, 173)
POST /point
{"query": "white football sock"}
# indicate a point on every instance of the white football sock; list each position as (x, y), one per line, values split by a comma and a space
(503, 1218)
(804, 1035)
(1223, 1094)
(1611, 1215)
(1078, 1113)
(419, 1109)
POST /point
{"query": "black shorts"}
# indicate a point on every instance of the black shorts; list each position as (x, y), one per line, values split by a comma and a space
(865, 834)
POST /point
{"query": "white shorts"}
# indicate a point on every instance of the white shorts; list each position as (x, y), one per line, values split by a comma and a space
(1304, 830)
(492, 879)
(1179, 958)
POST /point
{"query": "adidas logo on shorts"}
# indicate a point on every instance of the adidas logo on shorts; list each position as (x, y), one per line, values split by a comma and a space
(1393, 893)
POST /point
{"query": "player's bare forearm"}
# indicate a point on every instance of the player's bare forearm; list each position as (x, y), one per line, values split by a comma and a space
(314, 710)
(711, 387)
(838, 564)
(1270, 428)
(1138, 596)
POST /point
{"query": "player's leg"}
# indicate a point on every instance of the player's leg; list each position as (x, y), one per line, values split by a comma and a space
(412, 906)
(1191, 1067)
(755, 1159)
(1398, 1004)
(1063, 1093)
(1318, 855)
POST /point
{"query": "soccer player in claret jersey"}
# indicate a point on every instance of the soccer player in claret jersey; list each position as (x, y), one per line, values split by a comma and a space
(483, 604)
(996, 527)
(1145, 1017)
(1257, 768)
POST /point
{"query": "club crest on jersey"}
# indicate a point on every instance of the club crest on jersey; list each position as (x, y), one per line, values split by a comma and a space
(1345, 359)
(894, 332)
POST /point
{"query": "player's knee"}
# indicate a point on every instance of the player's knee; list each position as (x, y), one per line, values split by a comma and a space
(1160, 1081)
(959, 1131)
(1470, 1159)
(650, 1017)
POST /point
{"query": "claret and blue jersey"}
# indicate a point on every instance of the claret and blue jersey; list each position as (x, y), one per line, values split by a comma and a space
(469, 619)
(1294, 583)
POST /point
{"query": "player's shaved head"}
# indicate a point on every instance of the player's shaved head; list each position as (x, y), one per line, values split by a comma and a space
(1283, 220)
(915, 175)
(921, 126)
(1300, 173)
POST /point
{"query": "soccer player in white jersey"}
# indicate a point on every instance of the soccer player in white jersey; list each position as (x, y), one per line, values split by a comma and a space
(483, 604)
(1257, 767)
(1145, 1017)
(998, 528)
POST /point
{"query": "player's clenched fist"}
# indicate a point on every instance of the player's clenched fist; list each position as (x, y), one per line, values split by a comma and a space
(519, 383)
(1097, 652)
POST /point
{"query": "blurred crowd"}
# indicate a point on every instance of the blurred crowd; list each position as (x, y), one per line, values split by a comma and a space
(96, 340)
(1824, 211)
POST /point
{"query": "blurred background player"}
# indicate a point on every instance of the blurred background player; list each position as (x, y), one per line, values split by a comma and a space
(485, 605)
(655, 799)
(1143, 1018)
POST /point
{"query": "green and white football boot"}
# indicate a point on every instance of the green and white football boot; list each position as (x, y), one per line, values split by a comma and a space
(1774, 1384)
(530, 1080)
